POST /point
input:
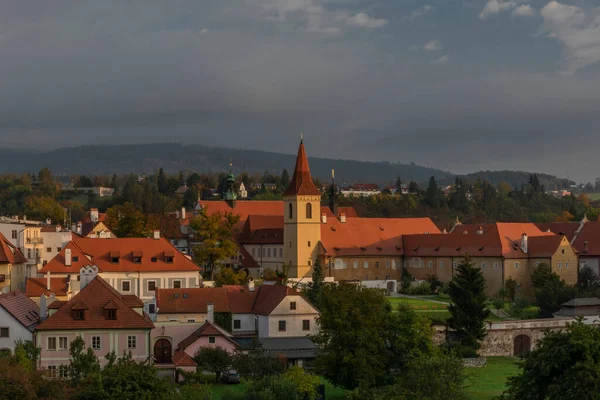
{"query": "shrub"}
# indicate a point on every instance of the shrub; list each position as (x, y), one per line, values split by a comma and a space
(421, 289)
(434, 282)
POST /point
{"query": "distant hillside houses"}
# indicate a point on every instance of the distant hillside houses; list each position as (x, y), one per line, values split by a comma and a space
(361, 189)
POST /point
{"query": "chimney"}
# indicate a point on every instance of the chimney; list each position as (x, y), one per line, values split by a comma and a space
(343, 218)
(43, 307)
(324, 218)
(210, 312)
(48, 281)
(480, 230)
(86, 275)
(68, 257)
(156, 234)
(251, 285)
(73, 227)
(79, 229)
(524, 243)
(94, 215)
(182, 213)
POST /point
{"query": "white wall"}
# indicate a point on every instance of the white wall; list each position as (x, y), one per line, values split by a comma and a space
(55, 241)
(16, 330)
(263, 326)
(7, 228)
(293, 318)
(247, 322)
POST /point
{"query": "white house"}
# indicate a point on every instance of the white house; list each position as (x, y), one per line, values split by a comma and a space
(19, 316)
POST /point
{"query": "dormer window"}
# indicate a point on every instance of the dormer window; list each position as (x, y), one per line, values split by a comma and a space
(169, 259)
(137, 257)
(111, 314)
(114, 257)
(153, 259)
(78, 315)
(75, 258)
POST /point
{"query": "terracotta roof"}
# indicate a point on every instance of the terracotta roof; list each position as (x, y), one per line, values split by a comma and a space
(590, 234)
(365, 187)
(350, 212)
(241, 300)
(21, 307)
(36, 287)
(445, 245)
(243, 208)
(93, 298)
(99, 252)
(269, 297)
(182, 359)
(132, 301)
(544, 246)
(247, 260)
(207, 329)
(9, 253)
(508, 234)
(192, 300)
(567, 229)
(262, 229)
(371, 236)
(302, 183)
(56, 304)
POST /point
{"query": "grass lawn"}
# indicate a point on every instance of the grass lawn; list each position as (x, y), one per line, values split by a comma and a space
(490, 381)
(331, 392)
(416, 304)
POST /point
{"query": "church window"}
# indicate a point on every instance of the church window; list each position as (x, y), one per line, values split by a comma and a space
(290, 211)
(308, 211)
(309, 243)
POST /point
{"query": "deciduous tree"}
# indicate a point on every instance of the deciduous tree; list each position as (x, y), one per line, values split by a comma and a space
(213, 359)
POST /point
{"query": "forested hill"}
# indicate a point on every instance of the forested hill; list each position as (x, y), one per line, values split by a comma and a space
(518, 178)
(148, 158)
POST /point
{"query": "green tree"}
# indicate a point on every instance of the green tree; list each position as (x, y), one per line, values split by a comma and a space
(127, 221)
(433, 195)
(44, 207)
(413, 187)
(213, 359)
(285, 179)
(469, 304)
(127, 379)
(550, 291)
(217, 232)
(565, 365)
(227, 276)
(315, 287)
(256, 362)
(306, 384)
(398, 185)
(161, 181)
(83, 364)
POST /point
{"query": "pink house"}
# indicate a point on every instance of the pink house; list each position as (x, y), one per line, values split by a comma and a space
(105, 319)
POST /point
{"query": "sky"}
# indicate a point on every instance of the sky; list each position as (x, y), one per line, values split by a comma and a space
(461, 85)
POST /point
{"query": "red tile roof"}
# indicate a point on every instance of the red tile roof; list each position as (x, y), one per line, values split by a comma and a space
(243, 208)
(98, 253)
(9, 253)
(371, 236)
(350, 212)
(590, 235)
(544, 246)
(207, 329)
(262, 229)
(302, 183)
(93, 298)
(36, 287)
(192, 300)
(445, 245)
(241, 300)
(247, 260)
(269, 297)
(21, 307)
(182, 359)
(567, 229)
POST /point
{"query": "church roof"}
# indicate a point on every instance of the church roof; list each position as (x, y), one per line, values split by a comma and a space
(302, 183)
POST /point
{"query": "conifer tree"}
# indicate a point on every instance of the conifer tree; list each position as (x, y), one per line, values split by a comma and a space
(316, 286)
(469, 308)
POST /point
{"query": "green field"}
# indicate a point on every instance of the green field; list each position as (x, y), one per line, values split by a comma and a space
(416, 304)
(490, 381)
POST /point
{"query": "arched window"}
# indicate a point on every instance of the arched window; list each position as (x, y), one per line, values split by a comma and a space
(308, 210)
(290, 211)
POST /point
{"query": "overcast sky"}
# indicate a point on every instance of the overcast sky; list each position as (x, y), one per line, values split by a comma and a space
(460, 85)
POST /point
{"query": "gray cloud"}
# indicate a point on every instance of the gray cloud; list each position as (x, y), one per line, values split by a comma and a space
(255, 74)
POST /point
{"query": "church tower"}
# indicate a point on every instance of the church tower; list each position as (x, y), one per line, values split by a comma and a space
(302, 225)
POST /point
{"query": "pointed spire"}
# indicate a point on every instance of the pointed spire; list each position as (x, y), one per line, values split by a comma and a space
(302, 183)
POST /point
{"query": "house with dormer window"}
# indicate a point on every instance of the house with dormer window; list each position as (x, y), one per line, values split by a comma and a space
(133, 266)
(104, 318)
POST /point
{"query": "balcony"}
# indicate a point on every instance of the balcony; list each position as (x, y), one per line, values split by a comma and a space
(34, 240)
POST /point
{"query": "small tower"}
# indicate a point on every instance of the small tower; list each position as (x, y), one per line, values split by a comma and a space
(302, 225)
(230, 194)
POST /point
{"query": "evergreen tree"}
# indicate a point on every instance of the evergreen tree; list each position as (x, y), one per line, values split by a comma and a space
(433, 195)
(413, 187)
(316, 286)
(469, 304)
(285, 179)
(398, 185)
(161, 181)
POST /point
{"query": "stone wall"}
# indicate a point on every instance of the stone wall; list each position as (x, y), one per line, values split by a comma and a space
(500, 339)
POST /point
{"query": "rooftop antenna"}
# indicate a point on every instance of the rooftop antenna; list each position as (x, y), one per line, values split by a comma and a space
(301, 137)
